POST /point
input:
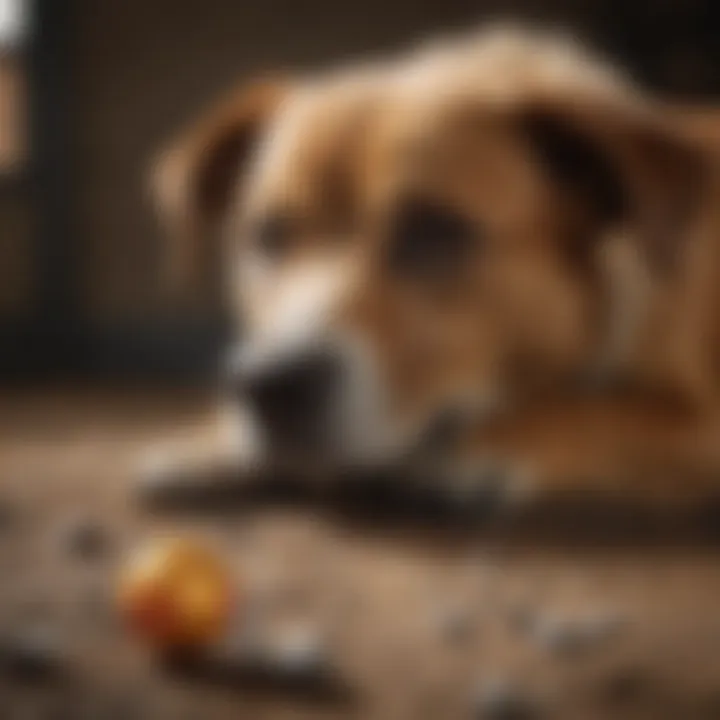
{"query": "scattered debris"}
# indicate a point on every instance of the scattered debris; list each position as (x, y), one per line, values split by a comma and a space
(32, 654)
(300, 653)
(568, 635)
(84, 537)
(296, 662)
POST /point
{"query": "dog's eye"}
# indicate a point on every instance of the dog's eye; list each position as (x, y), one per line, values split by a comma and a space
(271, 236)
(428, 239)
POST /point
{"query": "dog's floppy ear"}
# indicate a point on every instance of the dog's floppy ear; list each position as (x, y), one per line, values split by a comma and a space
(193, 179)
(620, 165)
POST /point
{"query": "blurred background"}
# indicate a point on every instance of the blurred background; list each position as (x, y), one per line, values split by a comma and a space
(582, 617)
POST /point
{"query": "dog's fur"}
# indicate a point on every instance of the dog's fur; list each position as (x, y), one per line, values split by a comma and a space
(570, 322)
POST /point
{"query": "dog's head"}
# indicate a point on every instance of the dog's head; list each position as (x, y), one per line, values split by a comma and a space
(427, 237)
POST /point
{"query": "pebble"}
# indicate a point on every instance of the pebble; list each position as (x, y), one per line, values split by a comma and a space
(296, 652)
(572, 635)
(499, 699)
(300, 653)
(32, 654)
(296, 662)
(85, 537)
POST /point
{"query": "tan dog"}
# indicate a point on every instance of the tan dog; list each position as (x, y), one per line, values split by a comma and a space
(494, 255)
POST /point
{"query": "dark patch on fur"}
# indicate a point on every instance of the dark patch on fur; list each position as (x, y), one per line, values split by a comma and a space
(579, 164)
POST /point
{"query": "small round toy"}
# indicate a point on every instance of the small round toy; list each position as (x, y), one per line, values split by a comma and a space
(174, 593)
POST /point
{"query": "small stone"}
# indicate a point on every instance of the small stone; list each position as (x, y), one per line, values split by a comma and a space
(498, 699)
(85, 538)
(575, 635)
(31, 655)
(299, 654)
(295, 662)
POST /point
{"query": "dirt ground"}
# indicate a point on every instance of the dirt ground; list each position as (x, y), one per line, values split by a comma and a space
(416, 618)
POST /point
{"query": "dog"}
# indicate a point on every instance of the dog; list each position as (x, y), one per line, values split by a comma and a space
(491, 260)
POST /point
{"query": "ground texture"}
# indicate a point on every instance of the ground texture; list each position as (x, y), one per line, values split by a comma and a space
(576, 614)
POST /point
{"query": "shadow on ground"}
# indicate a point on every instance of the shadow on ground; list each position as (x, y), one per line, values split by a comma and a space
(390, 504)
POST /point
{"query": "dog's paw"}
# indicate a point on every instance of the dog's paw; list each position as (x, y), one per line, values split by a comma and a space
(168, 477)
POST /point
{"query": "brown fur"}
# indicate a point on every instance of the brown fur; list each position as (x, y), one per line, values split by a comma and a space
(555, 293)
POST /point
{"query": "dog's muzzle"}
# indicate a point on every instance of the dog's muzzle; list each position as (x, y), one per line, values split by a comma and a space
(293, 400)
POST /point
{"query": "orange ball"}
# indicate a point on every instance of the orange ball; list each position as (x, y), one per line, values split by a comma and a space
(175, 593)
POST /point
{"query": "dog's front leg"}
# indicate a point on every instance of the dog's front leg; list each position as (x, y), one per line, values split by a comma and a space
(623, 448)
(225, 454)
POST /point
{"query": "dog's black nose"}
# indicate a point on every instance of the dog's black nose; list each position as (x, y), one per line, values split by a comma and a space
(293, 399)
